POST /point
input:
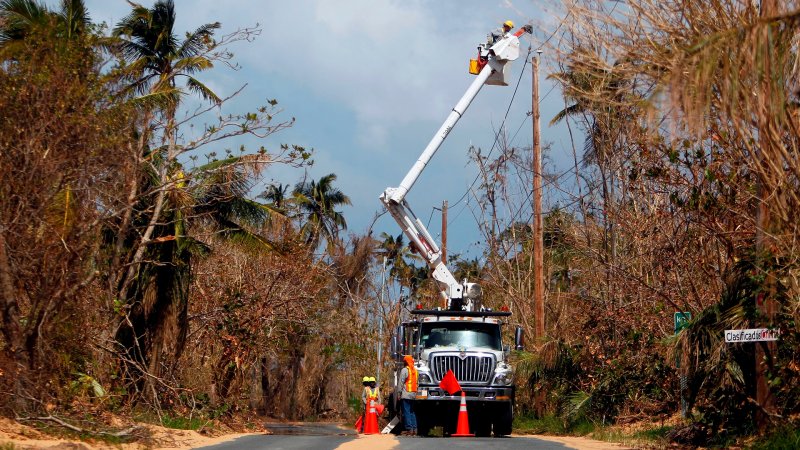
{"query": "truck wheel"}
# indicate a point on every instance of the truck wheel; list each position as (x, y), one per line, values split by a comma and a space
(392, 406)
(503, 421)
(483, 429)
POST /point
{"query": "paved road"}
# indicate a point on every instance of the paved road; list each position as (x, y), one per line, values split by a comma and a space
(331, 436)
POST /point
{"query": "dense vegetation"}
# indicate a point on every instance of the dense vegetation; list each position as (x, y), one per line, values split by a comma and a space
(141, 270)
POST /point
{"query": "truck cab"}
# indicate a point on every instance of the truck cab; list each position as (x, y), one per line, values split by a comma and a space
(470, 344)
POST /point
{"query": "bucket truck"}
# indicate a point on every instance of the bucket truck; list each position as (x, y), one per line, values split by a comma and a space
(464, 337)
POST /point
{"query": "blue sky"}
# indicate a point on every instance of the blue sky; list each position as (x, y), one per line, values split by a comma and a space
(370, 82)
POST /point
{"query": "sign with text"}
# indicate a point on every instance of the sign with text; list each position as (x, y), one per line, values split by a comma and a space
(752, 335)
(681, 320)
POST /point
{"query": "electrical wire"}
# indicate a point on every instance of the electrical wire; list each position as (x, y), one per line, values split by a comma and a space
(496, 138)
(502, 124)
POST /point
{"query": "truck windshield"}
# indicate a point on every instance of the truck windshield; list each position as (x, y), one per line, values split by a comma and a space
(466, 334)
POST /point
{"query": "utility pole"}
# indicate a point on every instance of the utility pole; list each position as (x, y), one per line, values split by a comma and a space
(444, 232)
(766, 301)
(538, 241)
(444, 240)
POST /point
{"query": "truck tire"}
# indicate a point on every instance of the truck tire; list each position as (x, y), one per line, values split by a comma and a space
(483, 428)
(503, 421)
(423, 426)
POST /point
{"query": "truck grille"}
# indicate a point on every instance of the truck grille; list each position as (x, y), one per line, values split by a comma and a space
(471, 369)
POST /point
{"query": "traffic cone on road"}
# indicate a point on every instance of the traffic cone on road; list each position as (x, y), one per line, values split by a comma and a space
(462, 430)
(371, 421)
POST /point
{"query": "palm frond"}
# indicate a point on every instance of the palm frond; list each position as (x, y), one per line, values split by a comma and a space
(196, 42)
(157, 100)
(576, 406)
(74, 16)
(201, 89)
(18, 17)
(192, 64)
(566, 112)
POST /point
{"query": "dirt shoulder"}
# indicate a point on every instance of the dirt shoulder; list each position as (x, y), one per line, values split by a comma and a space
(576, 442)
(147, 436)
(388, 442)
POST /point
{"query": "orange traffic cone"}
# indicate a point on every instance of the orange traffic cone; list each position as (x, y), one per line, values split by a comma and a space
(462, 430)
(371, 422)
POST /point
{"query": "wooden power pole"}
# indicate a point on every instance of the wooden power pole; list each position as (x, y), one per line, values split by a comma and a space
(444, 232)
(765, 302)
(538, 240)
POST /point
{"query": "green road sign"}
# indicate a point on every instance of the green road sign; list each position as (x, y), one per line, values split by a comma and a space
(682, 320)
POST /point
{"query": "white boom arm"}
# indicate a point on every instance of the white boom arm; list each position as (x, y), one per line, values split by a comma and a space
(499, 55)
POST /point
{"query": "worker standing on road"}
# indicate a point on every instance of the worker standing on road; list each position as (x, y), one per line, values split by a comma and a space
(499, 33)
(370, 392)
(373, 383)
(365, 383)
(409, 379)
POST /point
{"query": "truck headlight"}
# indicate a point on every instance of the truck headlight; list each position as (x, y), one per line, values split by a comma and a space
(504, 377)
(424, 378)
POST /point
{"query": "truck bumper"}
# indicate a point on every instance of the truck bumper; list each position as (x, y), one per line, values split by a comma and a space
(476, 393)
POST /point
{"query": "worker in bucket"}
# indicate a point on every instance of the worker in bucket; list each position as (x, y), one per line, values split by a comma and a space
(499, 33)
(408, 380)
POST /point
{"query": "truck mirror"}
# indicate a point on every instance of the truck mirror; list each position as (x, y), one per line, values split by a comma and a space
(395, 353)
(401, 341)
(518, 341)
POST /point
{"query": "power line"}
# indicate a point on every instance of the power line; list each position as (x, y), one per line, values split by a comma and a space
(496, 137)
(502, 124)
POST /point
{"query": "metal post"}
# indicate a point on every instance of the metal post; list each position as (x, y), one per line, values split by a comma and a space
(444, 241)
(380, 325)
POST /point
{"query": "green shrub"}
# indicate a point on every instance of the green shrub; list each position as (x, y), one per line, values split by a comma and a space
(785, 438)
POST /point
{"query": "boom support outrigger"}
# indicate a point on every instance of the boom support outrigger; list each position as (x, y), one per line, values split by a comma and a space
(462, 295)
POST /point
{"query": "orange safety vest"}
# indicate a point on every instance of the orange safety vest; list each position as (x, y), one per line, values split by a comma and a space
(411, 381)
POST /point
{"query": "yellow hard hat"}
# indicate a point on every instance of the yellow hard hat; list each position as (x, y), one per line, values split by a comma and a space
(365, 380)
(509, 24)
(371, 378)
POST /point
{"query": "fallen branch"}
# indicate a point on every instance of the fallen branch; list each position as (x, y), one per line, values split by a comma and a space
(51, 418)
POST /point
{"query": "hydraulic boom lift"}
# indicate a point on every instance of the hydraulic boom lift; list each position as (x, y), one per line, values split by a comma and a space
(492, 63)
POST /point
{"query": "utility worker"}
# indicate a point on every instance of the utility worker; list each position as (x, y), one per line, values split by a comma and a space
(409, 379)
(372, 391)
(499, 33)
(365, 383)
(373, 383)
(369, 393)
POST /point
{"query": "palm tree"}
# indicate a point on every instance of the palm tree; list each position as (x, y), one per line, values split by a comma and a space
(596, 91)
(397, 252)
(154, 237)
(21, 17)
(277, 196)
(158, 59)
(317, 202)
(212, 197)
